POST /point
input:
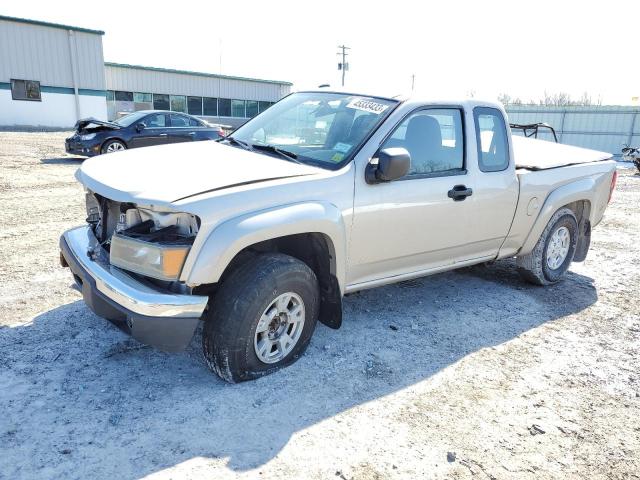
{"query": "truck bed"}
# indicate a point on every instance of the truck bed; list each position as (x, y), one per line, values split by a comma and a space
(534, 154)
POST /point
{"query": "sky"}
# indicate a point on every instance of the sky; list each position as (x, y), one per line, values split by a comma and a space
(453, 48)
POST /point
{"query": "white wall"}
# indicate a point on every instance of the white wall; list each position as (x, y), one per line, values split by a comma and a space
(149, 80)
(56, 110)
(37, 52)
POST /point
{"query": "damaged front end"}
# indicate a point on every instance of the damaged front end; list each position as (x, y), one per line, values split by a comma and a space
(144, 241)
(127, 262)
(86, 140)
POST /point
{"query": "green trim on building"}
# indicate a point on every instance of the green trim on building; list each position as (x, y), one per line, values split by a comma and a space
(63, 90)
(48, 89)
(199, 74)
(92, 93)
(52, 25)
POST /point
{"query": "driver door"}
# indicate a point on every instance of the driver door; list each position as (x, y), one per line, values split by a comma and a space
(411, 224)
(154, 133)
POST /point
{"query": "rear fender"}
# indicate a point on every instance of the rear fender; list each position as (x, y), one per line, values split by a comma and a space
(580, 190)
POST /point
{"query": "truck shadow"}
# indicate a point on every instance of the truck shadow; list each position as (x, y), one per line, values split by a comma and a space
(78, 390)
(62, 160)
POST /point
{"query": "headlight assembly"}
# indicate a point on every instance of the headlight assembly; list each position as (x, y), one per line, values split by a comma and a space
(88, 136)
(155, 260)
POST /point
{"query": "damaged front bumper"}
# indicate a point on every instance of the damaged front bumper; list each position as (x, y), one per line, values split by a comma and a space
(75, 146)
(160, 318)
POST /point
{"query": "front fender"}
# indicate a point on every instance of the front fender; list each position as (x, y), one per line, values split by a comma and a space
(583, 189)
(232, 236)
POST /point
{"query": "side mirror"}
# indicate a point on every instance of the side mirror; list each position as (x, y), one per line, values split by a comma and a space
(387, 165)
(139, 127)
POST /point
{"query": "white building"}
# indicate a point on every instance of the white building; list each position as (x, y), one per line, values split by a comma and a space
(52, 75)
(219, 98)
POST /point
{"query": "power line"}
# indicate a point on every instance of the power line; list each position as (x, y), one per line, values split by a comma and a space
(344, 66)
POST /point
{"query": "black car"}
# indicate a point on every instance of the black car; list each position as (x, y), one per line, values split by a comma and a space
(138, 129)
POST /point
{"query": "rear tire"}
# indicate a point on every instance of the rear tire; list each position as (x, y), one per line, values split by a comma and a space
(112, 146)
(261, 318)
(550, 259)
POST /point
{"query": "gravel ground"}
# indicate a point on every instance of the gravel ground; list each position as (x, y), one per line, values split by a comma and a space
(468, 374)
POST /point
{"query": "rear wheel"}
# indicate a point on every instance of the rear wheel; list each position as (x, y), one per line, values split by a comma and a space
(552, 255)
(261, 318)
(113, 146)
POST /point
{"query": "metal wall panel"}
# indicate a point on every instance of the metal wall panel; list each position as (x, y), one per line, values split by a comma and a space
(593, 122)
(606, 128)
(90, 61)
(524, 117)
(35, 52)
(156, 81)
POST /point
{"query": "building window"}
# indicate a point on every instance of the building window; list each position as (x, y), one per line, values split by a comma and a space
(264, 105)
(160, 102)
(224, 107)
(178, 103)
(252, 108)
(210, 106)
(142, 97)
(237, 108)
(194, 105)
(111, 96)
(124, 96)
(25, 90)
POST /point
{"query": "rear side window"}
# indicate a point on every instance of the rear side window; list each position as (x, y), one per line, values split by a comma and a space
(491, 134)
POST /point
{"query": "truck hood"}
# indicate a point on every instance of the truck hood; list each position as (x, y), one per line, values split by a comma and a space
(168, 173)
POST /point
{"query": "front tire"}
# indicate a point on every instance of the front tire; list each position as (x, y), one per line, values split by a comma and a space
(261, 318)
(112, 146)
(550, 259)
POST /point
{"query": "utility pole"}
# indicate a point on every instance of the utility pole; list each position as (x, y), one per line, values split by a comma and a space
(344, 66)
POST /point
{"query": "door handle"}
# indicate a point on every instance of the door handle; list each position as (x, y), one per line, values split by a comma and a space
(192, 133)
(163, 134)
(459, 193)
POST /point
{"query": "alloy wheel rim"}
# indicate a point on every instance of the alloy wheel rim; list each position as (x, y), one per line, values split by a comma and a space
(279, 328)
(115, 147)
(558, 248)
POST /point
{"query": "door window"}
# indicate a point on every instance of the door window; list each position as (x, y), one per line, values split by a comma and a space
(434, 140)
(157, 120)
(179, 121)
(491, 134)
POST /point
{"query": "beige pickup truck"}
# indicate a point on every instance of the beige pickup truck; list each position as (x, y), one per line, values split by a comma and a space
(261, 234)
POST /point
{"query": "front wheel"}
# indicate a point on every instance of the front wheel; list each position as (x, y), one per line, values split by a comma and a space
(261, 318)
(552, 255)
(113, 146)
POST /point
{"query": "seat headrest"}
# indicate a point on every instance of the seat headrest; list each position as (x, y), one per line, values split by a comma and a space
(423, 128)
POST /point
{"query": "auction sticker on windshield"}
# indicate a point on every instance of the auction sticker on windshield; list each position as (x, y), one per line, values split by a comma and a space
(367, 105)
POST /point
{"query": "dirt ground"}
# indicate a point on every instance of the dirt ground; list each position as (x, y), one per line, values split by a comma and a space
(468, 374)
